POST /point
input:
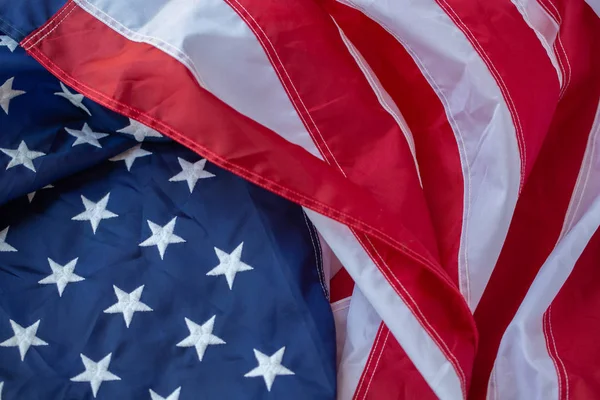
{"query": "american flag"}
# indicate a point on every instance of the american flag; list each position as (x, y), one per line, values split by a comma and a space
(132, 268)
(444, 151)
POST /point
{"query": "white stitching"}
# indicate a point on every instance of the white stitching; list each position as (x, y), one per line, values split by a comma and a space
(556, 355)
(54, 28)
(414, 307)
(179, 54)
(280, 63)
(463, 276)
(368, 363)
(387, 335)
(46, 25)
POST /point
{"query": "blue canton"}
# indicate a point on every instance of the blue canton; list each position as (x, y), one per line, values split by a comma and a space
(132, 268)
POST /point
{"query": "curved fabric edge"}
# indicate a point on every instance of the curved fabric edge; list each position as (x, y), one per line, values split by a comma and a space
(483, 133)
(418, 344)
(524, 368)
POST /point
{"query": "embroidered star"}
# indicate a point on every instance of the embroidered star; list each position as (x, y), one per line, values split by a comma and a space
(62, 275)
(162, 236)
(128, 304)
(24, 338)
(86, 135)
(95, 373)
(172, 396)
(7, 94)
(8, 42)
(139, 130)
(75, 98)
(200, 336)
(191, 172)
(229, 264)
(269, 367)
(22, 156)
(130, 155)
(95, 212)
(31, 195)
(3, 245)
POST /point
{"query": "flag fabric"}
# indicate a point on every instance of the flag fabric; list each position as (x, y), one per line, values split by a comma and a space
(446, 151)
(132, 268)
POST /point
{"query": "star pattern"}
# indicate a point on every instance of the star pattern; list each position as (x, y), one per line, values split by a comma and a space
(22, 156)
(127, 304)
(201, 336)
(269, 367)
(75, 98)
(95, 212)
(95, 373)
(62, 275)
(8, 42)
(191, 173)
(172, 396)
(130, 155)
(3, 245)
(31, 195)
(24, 338)
(139, 130)
(86, 135)
(7, 94)
(162, 236)
(229, 264)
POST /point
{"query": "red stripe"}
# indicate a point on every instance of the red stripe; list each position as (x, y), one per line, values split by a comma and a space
(375, 382)
(437, 151)
(519, 64)
(541, 209)
(130, 78)
(341, 286)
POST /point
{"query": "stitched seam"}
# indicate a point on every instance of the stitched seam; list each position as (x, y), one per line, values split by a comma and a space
(502, 85)
(55, 26)
(341, 304)
(318, 261)
(254, 177)
(550, 353)
(558, 19)
(48, 24)
(387, 335)
(134, 36)
(9, 26)
(367, 369)
(553, 353)
(416, 311)
(280, 64)
(462, 275)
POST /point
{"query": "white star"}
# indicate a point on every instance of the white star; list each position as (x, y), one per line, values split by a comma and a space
(200, 336)
(3, 245)
(86, 135)
(162, 236)
(172, 396)
(75, 98)
(8, 42)
(130, 155)
(31, 195)
(128, 304)
(62, 275)
(139, 130)
(95, 373)
(229, 264)
(7, 94)
(24, 338)
(22, 155)
(95, 212)
(269, 367)
(191, 172)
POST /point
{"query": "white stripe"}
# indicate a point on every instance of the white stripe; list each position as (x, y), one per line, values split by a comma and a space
(481, 122)
(523, 367)
(595, 4)
(217, 46)
(361, 325)
(416, 342)
(545, 28)
(383, 97)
